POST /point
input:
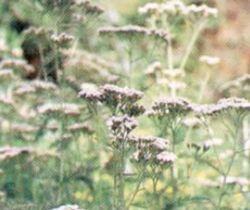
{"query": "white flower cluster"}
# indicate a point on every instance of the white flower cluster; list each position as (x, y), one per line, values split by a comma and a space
(177, 7)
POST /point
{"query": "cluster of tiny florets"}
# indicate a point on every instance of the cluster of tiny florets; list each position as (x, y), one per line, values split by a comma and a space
(151, 149)
(115, 97)
(223, 105)
(177, 7)
(88, 7)
(134, 30)
(63, 108)
(62, 38)
(121, 125)
(167, 106)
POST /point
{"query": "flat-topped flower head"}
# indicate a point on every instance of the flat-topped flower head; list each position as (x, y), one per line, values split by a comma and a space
(166, 106)
(120, 95)
(23, 128)
(62, 38)
(78, 127)
(24, 89)
(135, 30)
(19, 64)
(34, 87)
(177, 7)
(7, 152)
(91, 95)
(202, 10)
(159, 144)
(234, 102)
(63, 108)
(43, 85)
(170, 7)
(166, 158)
(36, 31)
(151, 143)
(88, 7)
(133, 109)
(222, 106)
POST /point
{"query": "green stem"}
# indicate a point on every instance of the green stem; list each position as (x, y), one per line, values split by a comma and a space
(192, 43)
(118, 199)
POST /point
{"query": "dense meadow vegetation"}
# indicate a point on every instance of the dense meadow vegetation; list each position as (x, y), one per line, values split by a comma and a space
(101, 110)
